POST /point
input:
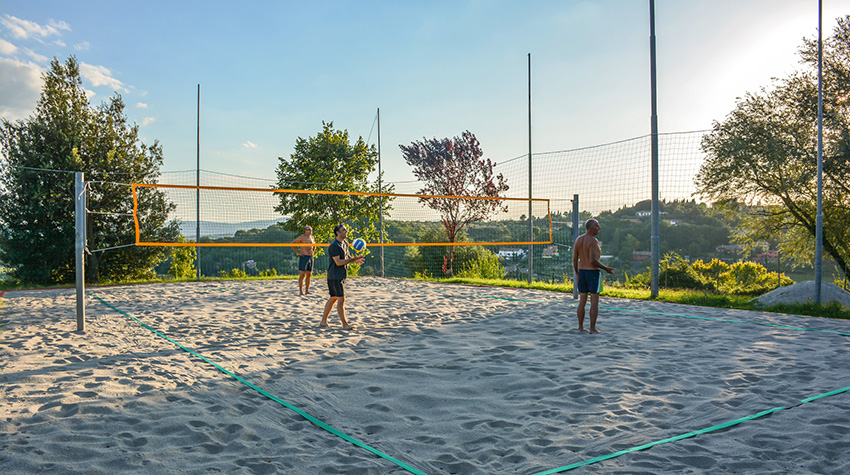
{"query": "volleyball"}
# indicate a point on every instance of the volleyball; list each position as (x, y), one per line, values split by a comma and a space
(359, 245)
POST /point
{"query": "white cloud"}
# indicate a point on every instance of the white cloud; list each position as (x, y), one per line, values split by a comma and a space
(101, 76)
(148, 120)
(20, 87)
(7, 48)
(249, 145)
(32, 54)
(84, 46)
(25, 29)
(141, 105)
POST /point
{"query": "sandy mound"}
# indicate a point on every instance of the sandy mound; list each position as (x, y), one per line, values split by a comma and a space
(805, 291)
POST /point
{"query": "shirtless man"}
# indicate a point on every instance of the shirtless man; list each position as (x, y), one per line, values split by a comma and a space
(305, 259)
(586, 253)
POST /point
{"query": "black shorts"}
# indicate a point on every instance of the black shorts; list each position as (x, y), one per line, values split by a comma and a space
(305, 263)
(336, 287)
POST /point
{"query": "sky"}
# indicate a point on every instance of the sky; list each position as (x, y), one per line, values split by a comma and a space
(272, 71)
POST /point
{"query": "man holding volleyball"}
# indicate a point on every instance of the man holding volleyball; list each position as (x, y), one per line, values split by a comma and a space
(305, 259)
(339, 258)
(586, 254)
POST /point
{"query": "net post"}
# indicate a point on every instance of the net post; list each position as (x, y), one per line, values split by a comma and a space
(80, 246)
(655, 239)
(380, 198)
(530, 220)
(575, 236)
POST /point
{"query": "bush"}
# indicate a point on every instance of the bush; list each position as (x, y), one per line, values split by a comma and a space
(746, 278)
(677, 273)
(485, 266)
(234, 274)
(740, 278)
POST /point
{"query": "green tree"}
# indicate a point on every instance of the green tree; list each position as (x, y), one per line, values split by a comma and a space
(762, 159)
(330, 162)
(183, 261)
(37, 207)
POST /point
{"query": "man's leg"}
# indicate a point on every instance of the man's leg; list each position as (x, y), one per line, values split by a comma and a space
(307, 282)
(582, 300)
(594, 312)
(328, 307)
(300, 282)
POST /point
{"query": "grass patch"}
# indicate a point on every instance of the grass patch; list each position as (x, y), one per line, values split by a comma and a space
(686, 297)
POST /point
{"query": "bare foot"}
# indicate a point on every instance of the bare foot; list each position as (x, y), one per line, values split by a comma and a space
(307, 292)
(349, 327)
(593, 330)
(581, 330)
(323, 325)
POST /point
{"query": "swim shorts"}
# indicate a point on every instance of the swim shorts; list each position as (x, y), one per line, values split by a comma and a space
(336, 287)
(305, 263)
(589, 281)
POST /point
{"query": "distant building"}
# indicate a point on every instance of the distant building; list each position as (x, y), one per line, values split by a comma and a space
(550, 252)
(512, 253)
(767, 256)
(729, 249)
(640, 256)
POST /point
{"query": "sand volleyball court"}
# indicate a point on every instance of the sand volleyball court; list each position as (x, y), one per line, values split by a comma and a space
(210, 377)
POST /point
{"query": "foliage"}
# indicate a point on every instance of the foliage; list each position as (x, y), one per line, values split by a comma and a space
(451, 168)
(234, 274)
(739, 278)
(37, 206)
(183, 261)
(485, 266)
(762, 159)
(329, 162)
(433, 260)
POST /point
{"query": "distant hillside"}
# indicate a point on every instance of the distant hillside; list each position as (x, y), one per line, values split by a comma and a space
(215, 230)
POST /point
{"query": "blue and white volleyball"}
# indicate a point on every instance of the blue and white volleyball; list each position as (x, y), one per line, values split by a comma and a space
(359, 245)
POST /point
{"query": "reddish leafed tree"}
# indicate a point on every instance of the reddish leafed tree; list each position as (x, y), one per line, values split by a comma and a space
(455, 168)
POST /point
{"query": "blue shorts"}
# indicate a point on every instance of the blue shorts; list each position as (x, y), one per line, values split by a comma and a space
(305, 263)
(589, 281)
(336, 287)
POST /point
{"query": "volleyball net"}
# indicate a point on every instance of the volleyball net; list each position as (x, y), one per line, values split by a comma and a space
(226, 216)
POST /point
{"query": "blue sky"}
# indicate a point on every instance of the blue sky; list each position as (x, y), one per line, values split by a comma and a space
(273, 71)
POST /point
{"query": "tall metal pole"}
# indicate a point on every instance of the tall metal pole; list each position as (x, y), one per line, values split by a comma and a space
(819, 225)
(530, 220)
(198, 193)
(380, 198)
(656, 240)
(80, 246)
(575, 237)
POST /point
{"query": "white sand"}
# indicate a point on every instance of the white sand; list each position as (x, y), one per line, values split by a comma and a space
(445, 378)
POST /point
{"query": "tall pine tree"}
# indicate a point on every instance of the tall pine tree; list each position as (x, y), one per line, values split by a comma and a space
(66, 134)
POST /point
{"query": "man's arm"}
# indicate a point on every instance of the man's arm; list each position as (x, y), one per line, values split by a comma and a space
(575, 255)
(298, 240)
(344, 262)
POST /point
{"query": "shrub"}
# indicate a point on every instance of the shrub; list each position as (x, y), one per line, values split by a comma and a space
(485, 266)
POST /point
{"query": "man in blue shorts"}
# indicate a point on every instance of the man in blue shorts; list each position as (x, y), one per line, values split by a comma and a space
(586, 254)
(305, 258)
(339, 258)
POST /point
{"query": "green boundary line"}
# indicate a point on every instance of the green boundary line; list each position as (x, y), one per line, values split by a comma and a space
(689, 434)
(274, 398)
